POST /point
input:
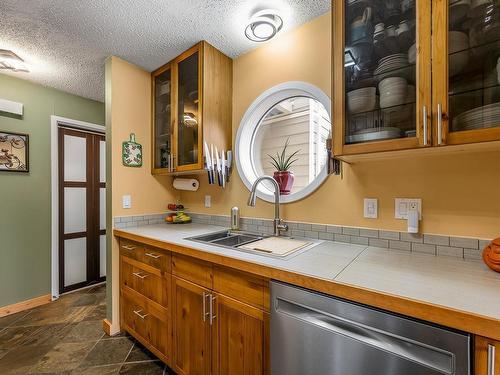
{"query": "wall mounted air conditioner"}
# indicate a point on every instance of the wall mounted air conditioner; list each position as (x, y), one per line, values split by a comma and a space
(11, 107)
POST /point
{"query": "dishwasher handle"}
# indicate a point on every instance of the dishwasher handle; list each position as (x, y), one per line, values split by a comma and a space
(423, 354)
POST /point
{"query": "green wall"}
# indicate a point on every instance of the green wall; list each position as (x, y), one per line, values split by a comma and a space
(25, 199)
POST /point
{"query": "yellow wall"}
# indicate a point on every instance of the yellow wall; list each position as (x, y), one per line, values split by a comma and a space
(459, 191)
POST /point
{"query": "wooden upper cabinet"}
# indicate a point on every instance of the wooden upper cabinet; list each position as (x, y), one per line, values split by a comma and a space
(192, 104)
(466, 66)
(487, 356)
(240, 338)
(191, 328)
(381, 81)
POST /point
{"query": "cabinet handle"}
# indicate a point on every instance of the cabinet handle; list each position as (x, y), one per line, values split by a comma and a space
(139, 275)
(154, 256)
(212, 316)
(138, 313)
(424, 115)
(491, 359)
(440, 124)
(205, 313)
(129, 247)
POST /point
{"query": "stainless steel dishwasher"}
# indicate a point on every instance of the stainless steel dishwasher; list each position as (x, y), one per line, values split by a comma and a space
(314, 334)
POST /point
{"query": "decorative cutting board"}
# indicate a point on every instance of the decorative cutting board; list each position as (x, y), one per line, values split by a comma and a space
(276, 245)
(131, 153)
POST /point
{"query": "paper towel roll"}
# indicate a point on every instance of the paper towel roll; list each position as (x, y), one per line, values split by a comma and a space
(189, 184)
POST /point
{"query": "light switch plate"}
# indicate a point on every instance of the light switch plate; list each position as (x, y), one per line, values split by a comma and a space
(371, 208)
(208, 201)
(126, 201)
(402, 205)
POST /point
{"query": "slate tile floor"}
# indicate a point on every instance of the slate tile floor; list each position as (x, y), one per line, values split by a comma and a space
(66, 337)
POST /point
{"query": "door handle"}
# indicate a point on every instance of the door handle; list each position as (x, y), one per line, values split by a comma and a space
(154, 256)
(139, 275)
(205, 313)
(424, 115)
(138, 313)
(212, 316)
(491, 359)
(440, 124)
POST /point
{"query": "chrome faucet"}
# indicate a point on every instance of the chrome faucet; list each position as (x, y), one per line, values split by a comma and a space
(278, 224)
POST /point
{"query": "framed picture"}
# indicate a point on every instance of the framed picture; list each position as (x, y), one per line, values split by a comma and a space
(14, 152)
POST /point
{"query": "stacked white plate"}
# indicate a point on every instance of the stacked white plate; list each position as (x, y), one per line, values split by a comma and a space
(362, 100)
(391, 64)
(393, 92)
(482, 117)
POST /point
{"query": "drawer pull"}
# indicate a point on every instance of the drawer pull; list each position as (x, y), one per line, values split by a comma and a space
(138, 313)
(491, 359)
(129, 247)
(139, 275)
(152, 255)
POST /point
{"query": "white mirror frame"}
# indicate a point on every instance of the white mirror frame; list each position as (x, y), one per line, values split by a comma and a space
(249, 124)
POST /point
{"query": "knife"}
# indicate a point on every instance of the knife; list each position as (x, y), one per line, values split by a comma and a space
(208, 163)
(223, 167)
(219, 174)
(229, 163)
(212, 161)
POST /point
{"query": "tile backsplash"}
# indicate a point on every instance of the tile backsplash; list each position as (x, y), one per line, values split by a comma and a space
(466, 248)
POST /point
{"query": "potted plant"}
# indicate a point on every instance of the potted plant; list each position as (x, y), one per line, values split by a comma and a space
(283, 175)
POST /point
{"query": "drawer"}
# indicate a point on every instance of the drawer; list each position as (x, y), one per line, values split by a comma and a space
(152, 327)
(151, 256)
(242, 286)
(145, 280)
(191, 269)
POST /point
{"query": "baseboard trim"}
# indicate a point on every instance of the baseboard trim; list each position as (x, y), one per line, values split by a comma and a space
(108, 328)
(25, 305)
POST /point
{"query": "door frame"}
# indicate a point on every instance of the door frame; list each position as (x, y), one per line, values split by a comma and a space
(55, 122)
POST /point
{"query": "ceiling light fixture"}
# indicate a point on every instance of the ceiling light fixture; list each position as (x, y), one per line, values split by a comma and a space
(264, 25)
(10, 61)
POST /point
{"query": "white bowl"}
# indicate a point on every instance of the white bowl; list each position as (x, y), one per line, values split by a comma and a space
(362, 100)
(412, 54)
(458, 62)
(391, 82)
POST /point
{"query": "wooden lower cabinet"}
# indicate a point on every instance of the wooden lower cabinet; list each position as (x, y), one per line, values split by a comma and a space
(240, 338)
(487, 356)
(192, 330)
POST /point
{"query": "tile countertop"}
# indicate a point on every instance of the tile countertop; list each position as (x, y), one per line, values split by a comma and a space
(453, 283)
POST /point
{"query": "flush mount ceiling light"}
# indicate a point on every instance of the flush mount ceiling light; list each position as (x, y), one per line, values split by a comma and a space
(10, 61)
(264, 25)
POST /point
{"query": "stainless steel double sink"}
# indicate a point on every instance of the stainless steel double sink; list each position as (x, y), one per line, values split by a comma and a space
(228, 238)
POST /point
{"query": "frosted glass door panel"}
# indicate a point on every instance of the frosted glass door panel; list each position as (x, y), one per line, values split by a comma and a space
(75, 158)
(75, 261)
(75, 210)
(102, 255)
(102, 161)
(102, 208)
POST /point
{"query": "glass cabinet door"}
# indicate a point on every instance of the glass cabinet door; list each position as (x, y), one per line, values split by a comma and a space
(163, 121)
(471, 112)
(381, 63)
(188, 136)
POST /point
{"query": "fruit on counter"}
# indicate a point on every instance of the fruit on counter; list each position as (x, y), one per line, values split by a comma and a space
(175, 207)
(169, 218)
(178, 218)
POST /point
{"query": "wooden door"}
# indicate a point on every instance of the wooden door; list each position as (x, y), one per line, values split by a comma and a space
(465, 65)
(82, 209)
(382, 76)
(487, 356)
(191, 327)
(240, 338)
(188, 130)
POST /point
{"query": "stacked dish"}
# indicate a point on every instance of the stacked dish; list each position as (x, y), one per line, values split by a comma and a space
(362, 100)
(391, 62)
(482, 117)
(458, 50)
(374, 134)
(393, 92)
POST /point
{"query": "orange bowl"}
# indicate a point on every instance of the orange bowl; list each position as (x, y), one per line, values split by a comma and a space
(495, 245)
(491, 259)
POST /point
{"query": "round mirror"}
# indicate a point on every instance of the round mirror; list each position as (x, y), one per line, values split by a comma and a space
(284, 134)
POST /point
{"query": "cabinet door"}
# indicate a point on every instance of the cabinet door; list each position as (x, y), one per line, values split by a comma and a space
(162, 151)
(382, 73)
(188, 135)
(487, 356)
(240, 338)
(466, 71)
(192, 351)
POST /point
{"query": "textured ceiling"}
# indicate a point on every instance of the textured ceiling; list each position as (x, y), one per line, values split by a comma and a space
(65, 42)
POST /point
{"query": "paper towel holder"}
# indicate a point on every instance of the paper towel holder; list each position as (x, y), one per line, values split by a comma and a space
(187, 184)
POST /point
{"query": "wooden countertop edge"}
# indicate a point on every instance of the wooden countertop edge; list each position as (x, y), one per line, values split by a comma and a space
(449, 317)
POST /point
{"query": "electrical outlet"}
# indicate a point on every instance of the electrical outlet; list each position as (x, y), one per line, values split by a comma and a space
(127, 201)
(403, 205)
(208, 201)
(371, 208)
